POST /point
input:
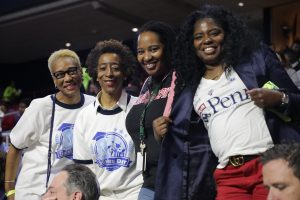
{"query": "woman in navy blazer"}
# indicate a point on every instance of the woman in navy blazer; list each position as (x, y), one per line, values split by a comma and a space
(214, 44)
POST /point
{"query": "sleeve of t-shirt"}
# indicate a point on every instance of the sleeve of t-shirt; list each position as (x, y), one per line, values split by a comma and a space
(81, 153)
(29, 127)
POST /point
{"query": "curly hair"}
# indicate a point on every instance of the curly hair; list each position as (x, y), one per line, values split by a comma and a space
(167, 36)
(287, 152)
(238, 43)
(128, 60)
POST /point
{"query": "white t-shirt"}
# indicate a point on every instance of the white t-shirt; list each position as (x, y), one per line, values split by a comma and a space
(235, 125)
(101, 139)
(31, 134)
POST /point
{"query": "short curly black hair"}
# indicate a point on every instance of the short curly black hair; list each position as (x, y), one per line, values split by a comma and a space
(128, 63)
(238, 44)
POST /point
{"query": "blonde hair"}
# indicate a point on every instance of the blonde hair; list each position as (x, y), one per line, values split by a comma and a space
(62, 53)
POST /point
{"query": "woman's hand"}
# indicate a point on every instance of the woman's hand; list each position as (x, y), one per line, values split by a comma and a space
(160, 127)
(265, 97)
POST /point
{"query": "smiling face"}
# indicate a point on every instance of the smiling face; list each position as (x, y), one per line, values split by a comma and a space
(69, 84)
(150, 54)
(208, 41)
(110, 74)
(280, 180)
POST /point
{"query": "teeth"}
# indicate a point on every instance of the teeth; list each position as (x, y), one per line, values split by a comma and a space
(150, 65)
(209, 50)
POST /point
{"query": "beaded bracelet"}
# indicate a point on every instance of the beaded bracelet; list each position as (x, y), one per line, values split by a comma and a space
(10, 192)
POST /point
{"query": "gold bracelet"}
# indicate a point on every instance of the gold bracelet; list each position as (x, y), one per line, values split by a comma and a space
(10, 192)
(12, 181)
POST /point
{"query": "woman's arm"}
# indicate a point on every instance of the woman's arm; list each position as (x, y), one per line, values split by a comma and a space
(12, 164)
(276, 73)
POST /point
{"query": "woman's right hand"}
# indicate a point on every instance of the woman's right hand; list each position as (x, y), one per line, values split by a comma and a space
(160, 127)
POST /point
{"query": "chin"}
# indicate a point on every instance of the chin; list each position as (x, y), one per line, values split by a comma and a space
(111, 91)
(71, 93)
(211, 61)
(151, 72)
(158, 74)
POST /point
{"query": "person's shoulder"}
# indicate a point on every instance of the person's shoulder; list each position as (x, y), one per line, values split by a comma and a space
(88, 110)
(39, 108)
(88, 98)
(146, 85)
(42, 102)
(133, 99)
(263, 48)
(131, 102)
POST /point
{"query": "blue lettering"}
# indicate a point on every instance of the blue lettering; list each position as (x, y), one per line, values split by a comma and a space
(121, 162)
(210, 101)
(246, 95)
(224, 100)
(205, 116)
(64, 153)
(240, 95)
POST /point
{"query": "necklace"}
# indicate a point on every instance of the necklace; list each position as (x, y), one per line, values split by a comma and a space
(108, 103)
(214, 77)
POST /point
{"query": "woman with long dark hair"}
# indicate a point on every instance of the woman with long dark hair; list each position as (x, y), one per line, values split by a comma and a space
(229, 69)
(155, 47)
(166, 141)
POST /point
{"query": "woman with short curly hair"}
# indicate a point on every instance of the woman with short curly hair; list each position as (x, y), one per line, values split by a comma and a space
(100, 137)
(128, 60)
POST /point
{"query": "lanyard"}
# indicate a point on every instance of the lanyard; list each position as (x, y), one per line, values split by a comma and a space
(142, 118)
(142, 127)
(142, 134)
(50, 140)
(153, 94)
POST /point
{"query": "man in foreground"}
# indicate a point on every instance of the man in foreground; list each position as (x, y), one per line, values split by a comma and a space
(281, 172)
(74, 182)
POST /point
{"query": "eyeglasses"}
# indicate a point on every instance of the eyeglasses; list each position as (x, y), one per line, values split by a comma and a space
(69, 71)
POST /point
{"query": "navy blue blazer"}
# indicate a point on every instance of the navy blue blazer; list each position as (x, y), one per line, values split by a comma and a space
(186, 163)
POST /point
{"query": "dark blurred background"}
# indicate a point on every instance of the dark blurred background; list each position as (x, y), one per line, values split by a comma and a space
(30, 30)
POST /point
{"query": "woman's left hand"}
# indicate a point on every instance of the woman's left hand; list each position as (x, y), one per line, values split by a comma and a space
(265, 97)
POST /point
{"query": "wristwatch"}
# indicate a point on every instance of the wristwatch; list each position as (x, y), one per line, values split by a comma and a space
(284, 99)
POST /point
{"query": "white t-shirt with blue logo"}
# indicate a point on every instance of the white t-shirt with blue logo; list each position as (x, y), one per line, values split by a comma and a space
(32, 134)
(235, 125)
(101, 139)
